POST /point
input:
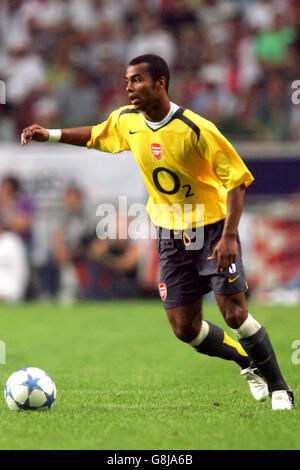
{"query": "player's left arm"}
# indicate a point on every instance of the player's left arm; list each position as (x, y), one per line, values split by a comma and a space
(235, 177)
(226, 249)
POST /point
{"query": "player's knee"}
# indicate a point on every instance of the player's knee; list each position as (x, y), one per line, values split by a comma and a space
(235, 315)
(185, 332)
(186, 321)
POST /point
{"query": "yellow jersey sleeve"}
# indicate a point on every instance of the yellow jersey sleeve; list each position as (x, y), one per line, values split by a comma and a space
(107, 136)
(223, 159)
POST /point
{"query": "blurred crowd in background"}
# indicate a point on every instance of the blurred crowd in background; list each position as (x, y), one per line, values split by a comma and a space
(232, 61)
(63, 64)
(78, 265)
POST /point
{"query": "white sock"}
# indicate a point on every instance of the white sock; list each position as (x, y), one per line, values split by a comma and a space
(201, 335)
(248, 328)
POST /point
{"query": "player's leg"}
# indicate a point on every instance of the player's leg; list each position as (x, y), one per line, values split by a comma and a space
(256, 342)
(204, 336)
(229, 288)
(225, 284)
(181, 289)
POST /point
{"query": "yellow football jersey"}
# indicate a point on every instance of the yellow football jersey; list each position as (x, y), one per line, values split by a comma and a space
(187, 164)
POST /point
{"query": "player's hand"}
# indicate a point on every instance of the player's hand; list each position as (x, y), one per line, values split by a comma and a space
(226, 252)
(34, 132)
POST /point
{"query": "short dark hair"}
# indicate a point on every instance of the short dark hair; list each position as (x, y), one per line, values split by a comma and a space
(157, 66)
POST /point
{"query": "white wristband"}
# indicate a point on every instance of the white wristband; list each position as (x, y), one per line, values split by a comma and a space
(54, 135)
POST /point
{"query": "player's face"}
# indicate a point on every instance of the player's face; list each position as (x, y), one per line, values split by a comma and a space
(143, 92)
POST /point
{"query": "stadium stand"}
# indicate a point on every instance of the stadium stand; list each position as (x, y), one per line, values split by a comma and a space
(232, 61)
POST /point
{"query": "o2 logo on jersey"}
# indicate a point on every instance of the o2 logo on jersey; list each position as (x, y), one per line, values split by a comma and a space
(156, 150)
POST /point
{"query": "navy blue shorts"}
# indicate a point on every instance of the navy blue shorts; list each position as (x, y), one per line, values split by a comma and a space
(186, 274)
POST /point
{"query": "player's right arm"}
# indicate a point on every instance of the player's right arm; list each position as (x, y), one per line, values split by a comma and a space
(74, 136)
(105, 137)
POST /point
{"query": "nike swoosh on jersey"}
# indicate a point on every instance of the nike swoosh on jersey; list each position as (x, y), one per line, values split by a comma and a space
(133, 132)
(233, 279)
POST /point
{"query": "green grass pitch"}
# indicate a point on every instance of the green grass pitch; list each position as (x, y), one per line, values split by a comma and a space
(125, 382)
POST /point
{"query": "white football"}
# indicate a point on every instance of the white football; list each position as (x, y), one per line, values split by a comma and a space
(30, 388)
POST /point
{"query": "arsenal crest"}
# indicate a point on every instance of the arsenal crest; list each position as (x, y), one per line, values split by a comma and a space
(163, 291)
(156, 150)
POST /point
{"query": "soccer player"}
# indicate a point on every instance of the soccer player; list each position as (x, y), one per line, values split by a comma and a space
(187, 163)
